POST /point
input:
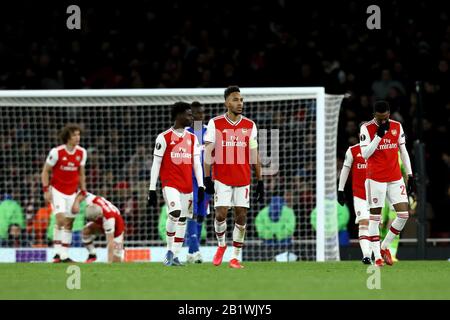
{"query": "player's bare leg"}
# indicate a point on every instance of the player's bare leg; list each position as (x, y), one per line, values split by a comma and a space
(364, 240)
(89, 232)
(396, 227)
(374, 234)
(220, 227)
(240, 219)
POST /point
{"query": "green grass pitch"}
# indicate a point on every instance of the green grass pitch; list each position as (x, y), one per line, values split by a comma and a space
(259, 280)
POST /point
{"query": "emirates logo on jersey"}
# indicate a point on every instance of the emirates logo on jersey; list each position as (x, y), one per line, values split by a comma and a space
(394, 132)
(234, 142)
(181, 154)
(361, 166)
(386, 144)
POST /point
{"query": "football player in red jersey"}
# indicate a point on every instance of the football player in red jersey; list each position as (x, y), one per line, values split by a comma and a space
(102, 217)
(355, 164)
(380, 141)
(66, 165)
(176, 154)
(232, 139)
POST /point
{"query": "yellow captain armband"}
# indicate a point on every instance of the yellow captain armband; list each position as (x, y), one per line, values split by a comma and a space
(253, 144)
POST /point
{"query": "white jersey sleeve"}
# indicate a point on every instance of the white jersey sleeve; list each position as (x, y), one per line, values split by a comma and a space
(364, 137)
(89, 198)
(253, 137)
(109, 225)
(348, 161)
(367, 145)
(52, 157)
(197, 147)
(160, 146)
(84, 158)
(210, 135)
(402, 137)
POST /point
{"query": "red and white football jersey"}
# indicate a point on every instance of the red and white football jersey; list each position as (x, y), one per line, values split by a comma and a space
(232, 149)
(357, 164)
(177, 151)
(383, 165)
(112, 221)
(66, 165)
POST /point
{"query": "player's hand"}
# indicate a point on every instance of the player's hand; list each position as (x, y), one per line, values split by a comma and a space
(341, 197)
(383, 128)
(209, 184)
(411, 187)
(75, 208)
(200, 195)
(151, 198)
(47, 197)
(260, 191)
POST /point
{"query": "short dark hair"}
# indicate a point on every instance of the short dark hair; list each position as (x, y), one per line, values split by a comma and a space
(67, 131)
(196, 104)
(178, 108)
(230, 90)
(381, 106)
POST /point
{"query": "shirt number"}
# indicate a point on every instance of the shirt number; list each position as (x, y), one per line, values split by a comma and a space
(403, 190)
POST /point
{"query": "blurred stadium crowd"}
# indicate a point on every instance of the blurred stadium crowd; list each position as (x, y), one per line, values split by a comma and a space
(175, 44)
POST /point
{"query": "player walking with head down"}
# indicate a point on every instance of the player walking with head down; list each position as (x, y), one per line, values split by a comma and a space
(176, 154)
(66, 164)
(232, 139)
(380, 141)
(355, 164)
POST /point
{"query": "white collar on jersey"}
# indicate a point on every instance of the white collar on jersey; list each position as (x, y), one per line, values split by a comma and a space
(70, 152)
(178, 133)
(233, 123)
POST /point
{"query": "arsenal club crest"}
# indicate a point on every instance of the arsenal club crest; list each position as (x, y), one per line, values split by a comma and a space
(394, 132)
(78, 158)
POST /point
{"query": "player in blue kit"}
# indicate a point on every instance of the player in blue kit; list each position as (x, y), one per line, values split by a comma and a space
(194, 225)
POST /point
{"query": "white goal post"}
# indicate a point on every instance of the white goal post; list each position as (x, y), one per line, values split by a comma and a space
(301, 115)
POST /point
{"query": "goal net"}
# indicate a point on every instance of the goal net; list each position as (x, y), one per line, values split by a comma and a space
(297, 130)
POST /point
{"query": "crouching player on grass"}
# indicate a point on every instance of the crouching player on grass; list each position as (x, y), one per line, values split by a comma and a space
(102, 217)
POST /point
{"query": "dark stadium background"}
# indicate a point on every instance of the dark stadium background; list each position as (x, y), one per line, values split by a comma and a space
(177, 44)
